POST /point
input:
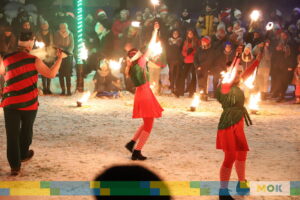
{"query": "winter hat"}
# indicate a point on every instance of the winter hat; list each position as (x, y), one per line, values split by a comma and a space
(206, 39)
(100, 13)
(225, 13)
(70, 14)
(163, 9)
(237, 13)
(296, 10)
(248, 46)
(221, 26)
(186, 16)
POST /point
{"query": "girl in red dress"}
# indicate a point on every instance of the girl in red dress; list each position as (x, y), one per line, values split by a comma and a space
(231, 136)
(145, 104)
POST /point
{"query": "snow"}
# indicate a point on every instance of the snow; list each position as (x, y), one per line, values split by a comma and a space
(76, 144)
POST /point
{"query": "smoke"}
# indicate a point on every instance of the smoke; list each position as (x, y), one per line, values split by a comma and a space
(47, 54)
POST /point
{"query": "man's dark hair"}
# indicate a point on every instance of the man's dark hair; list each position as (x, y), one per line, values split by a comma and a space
(26, 36)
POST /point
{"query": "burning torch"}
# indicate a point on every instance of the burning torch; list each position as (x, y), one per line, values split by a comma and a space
(155, 3)
(195, 103)
(83, 99)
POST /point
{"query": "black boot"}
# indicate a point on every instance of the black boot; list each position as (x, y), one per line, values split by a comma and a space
(29, 155)
(224, 194)
(137, 155)
(130, 146)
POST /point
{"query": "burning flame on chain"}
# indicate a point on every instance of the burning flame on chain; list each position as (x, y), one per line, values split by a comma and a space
(249, 82)
(254, 101)
(39, 44)
(85, 97)
(115, 65)
(196, 101)
(228, 77)
(155, 48)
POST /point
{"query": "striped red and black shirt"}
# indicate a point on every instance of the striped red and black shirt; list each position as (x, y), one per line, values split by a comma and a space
(20, 88)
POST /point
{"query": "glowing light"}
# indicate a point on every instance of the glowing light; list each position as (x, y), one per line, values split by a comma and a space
(39, 44)
(155, 48)
(249, 82)
(255, 15)
(115, 65)
(228, 77)
(84, 98)
(152, 86)
(254, 102)
(195, 102)
(269, 26)
(155, 2)
(136, 24)
(82, 52)
(83, 55)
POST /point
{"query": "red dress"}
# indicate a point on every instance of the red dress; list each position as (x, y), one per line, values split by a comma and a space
(231, 135)
(145, 103)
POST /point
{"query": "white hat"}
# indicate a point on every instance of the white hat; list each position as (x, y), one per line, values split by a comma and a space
(237, 12)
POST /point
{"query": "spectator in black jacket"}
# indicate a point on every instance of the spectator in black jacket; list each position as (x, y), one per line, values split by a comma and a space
(174, 58)
(203, 61)
(223, 56)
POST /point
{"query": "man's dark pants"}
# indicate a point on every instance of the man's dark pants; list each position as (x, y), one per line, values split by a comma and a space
(19, 130)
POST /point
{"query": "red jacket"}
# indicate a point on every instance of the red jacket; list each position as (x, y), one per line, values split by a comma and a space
(189, 58)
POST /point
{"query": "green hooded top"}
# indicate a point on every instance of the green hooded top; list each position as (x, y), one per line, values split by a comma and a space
(233, 107)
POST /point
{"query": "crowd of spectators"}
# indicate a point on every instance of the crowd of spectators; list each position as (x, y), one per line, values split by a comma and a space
(193, 48)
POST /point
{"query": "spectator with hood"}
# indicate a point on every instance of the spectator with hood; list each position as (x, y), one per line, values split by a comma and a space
(8, 41)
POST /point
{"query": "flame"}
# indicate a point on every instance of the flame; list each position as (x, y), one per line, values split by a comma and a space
(155, 48)
(115, 65)
(196, 101)
(255, 15)
(39, 44)
(85, 97)
(249, 82)
(155, 2)
(136, 24)
(152, 86)
(83, 55)
(254, 101)
(229, 76)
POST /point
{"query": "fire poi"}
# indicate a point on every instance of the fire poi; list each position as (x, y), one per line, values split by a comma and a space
(254, 103)
(195, 103)
(83, 99)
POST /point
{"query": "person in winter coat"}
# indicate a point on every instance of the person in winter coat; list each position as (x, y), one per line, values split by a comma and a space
(263, 72)
(8, 41)
(46, 36)
(222, 57)
(64, 40)
(203, 62)
(188, 52)
(174, 58)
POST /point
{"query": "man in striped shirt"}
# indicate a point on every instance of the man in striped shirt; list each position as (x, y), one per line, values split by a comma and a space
(20, 98)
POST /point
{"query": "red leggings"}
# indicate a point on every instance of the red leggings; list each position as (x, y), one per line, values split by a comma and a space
(142, 134)
(232, 156)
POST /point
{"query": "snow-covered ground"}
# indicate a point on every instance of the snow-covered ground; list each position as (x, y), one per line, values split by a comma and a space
(75, 144)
